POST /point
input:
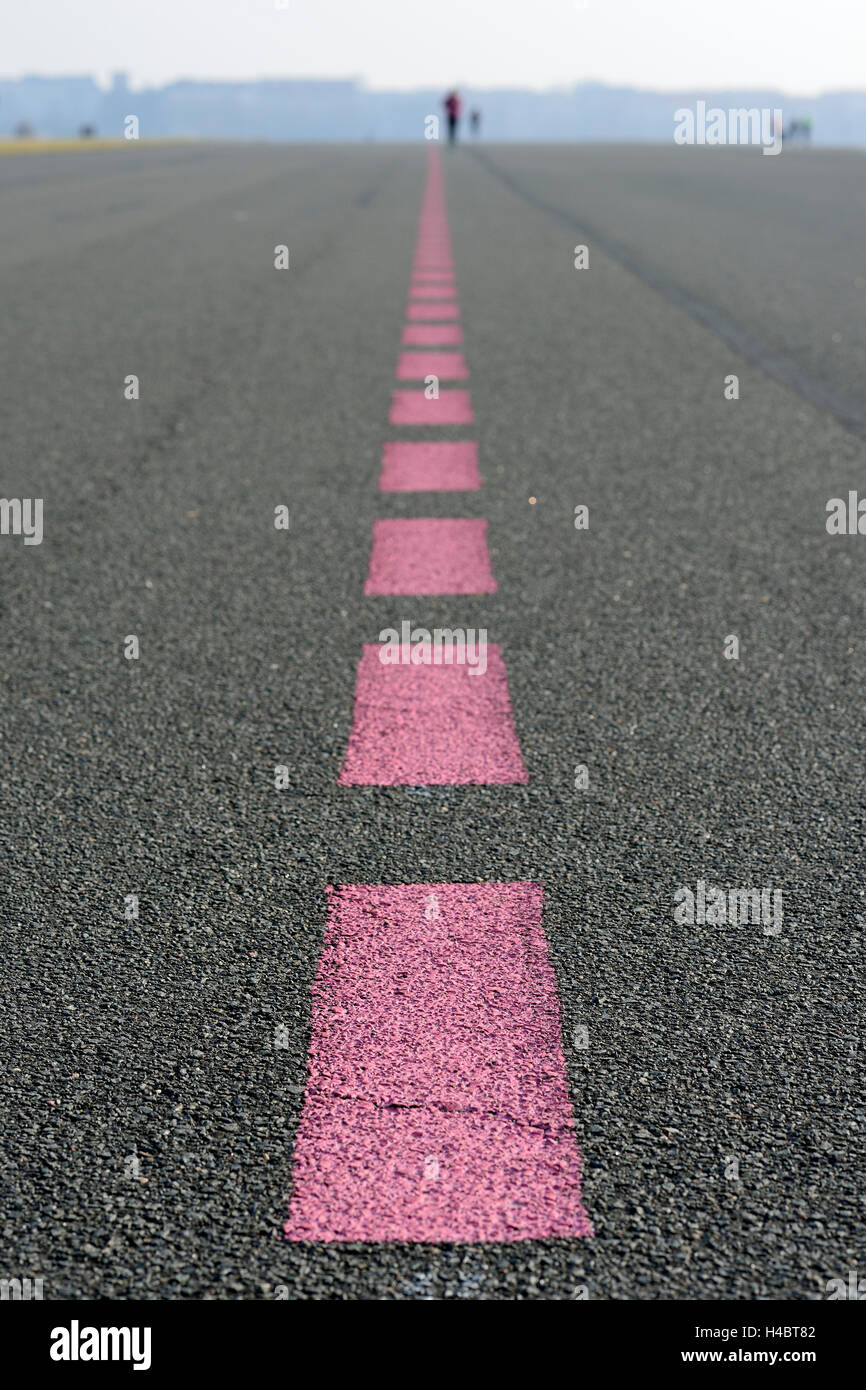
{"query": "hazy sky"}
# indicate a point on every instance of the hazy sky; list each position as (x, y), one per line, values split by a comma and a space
(796, 45)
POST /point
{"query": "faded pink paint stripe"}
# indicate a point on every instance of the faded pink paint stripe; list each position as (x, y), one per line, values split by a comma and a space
(432, 335)
(440, 466)
(433, 276)
(448, 366)
(441, 291)
(431, 291)
(413, 408)
(446, 310)
(430, 555)
(437, 1105)
(429, 725)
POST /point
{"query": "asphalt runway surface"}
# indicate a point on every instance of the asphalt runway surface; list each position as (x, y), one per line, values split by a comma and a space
(148, 1121)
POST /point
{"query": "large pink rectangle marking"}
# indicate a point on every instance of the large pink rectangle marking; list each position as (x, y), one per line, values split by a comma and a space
(430, 555)
(448, 309)
(437, 1105)
(432, 334)
(429, 725)
(448, 366)
(413, 408)
(430, 467)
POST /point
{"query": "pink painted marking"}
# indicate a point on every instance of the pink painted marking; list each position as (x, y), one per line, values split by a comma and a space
(446, 310)
(432, 725)
(432, 335)
(413, 408)
(427, 277)
(420, 289)
(415, 366)
(437, 1105)
(431, 291)
(430, 555)
(430, 467)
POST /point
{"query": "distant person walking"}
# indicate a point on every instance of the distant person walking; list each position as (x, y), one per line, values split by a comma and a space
(475, 121)
(452, 106)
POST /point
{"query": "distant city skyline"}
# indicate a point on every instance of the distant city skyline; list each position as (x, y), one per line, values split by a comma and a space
(337, 109)
(396, 45)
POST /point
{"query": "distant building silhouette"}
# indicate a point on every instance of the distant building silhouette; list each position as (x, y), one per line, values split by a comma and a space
(302, 109)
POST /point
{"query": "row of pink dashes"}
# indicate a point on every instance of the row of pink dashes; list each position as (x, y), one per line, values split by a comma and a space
(437, 1104)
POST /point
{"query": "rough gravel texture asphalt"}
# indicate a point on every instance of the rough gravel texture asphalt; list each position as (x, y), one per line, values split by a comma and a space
(147, 1117)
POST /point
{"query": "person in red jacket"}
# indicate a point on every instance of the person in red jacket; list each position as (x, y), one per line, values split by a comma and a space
(452, 111)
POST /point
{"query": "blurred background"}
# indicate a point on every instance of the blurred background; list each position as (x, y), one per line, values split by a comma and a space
(286, 70)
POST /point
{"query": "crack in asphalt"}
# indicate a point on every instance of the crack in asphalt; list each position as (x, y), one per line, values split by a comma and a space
(781, 368)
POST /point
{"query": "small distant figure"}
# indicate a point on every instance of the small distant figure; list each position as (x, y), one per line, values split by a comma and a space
(799, 131)
(87, 132)
(452, 106)
(475, 121)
